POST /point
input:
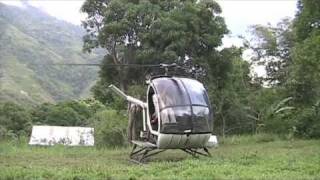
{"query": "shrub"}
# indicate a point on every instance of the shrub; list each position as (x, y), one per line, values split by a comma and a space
(277, 118)
(69, 113)
(14, 119)
(308, 122)
(110, 128)
(3, 132)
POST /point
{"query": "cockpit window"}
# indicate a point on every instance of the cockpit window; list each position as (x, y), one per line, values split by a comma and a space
(171, 92)
(201, 119)
(183, 106)
(176, 119)
(196, 91)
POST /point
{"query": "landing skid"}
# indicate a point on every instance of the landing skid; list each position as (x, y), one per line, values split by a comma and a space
(196, 152)
(143, 150)
(139, 153)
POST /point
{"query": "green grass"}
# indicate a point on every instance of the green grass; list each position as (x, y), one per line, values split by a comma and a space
(245, 157)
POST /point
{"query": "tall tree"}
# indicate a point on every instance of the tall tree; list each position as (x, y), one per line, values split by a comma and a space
(304, 80)
(271, 46)
(303, 83)
(153, 31)
(307, 20)
(230, 93)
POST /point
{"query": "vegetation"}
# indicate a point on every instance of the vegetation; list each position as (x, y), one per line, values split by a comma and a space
(242, 104)
(14, 121)
(152, 32)
(188, 33)
(290, 51)
(110, 125)
(280, 112)
(238, 157)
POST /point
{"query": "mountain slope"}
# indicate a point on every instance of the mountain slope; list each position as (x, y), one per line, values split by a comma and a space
(29, 39)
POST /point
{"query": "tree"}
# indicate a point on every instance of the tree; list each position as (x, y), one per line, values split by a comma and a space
(230, 92)
(304, 80)
(14, 118)
(271, 46)
(303, 83)
(150, 32)
(68, 113)
(307, 19)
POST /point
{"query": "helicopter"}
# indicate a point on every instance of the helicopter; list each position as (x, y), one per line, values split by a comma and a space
(177, 114)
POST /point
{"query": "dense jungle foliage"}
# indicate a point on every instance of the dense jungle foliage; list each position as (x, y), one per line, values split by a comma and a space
(286, 101)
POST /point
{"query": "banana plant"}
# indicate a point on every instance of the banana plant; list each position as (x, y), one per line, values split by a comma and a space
(276, 109)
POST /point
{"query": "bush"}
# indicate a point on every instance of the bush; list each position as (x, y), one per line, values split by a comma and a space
(110, 128)
(14, 120)
(3, 132)
(276, 117)
(308, 122)
(69, 113)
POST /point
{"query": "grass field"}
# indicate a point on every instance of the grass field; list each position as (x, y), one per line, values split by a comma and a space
(245, 157)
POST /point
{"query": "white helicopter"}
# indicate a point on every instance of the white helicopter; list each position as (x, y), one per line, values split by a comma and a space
(177, 115)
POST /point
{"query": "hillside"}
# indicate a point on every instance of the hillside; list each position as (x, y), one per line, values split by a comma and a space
(29, 39)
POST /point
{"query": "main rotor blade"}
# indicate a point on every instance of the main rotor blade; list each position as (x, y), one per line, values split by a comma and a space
(94, 64)
(105, 65)
(67, 64)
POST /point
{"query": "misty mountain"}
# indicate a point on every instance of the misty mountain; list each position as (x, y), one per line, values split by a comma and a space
(30, 39)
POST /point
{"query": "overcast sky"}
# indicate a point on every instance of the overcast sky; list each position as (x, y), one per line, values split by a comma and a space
(239, 14)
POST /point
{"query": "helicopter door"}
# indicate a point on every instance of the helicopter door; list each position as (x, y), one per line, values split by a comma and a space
(201, 114)
(184, 106)
(174, 106)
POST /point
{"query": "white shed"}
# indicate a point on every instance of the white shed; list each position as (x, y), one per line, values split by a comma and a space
(70, 136)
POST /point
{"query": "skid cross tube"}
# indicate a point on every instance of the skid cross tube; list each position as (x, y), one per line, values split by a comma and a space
(140, 154)
(195, 152)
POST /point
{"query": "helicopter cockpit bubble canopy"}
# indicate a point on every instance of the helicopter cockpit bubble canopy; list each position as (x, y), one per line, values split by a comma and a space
(183, 105)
